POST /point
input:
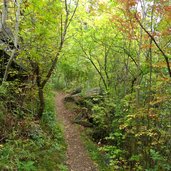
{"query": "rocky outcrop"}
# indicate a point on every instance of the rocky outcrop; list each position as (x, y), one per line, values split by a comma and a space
(78, 96)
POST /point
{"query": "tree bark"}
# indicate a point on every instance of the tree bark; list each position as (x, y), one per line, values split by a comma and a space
(18, 2)
(41, 102)
(40, 90)
(4, 14)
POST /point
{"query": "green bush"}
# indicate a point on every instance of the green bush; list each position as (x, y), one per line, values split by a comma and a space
(31, 144)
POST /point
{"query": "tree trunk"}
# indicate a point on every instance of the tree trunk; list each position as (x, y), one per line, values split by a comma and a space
(40, 90)
(41, 83)
(16, 33)
(41, 102)
(4, 14)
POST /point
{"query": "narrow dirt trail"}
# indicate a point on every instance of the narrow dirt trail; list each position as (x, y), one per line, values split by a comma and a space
(77, 156)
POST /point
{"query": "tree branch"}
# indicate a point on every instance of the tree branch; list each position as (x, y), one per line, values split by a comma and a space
(63, 35)
(157, 45)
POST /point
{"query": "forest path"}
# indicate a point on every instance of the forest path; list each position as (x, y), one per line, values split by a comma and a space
(77, 156)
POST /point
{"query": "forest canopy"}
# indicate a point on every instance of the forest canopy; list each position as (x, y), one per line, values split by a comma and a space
(118, 48)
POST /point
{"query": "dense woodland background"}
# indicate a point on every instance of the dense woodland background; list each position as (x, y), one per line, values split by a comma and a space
(119, 51)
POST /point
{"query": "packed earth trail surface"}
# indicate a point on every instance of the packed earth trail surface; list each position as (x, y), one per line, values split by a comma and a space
(77, 156)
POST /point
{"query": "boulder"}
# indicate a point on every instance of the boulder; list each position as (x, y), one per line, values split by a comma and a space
(93, 92)
(73, 98)
(76, 91)
(78, 97)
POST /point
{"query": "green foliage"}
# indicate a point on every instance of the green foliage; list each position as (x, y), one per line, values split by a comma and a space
(33, 145)
(131, 138)
(109, 45)
(131, 122)
(160, 161)
(96, 155)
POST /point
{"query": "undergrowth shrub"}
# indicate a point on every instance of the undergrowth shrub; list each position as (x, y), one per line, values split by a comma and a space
(26, 143)
(133, 138)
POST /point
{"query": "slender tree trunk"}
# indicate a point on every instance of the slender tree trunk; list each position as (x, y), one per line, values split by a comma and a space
(41, 83)
(41, 102)
(40, 90)
(18, 2)
(150, 56)
(4, 14)
(139, 69)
